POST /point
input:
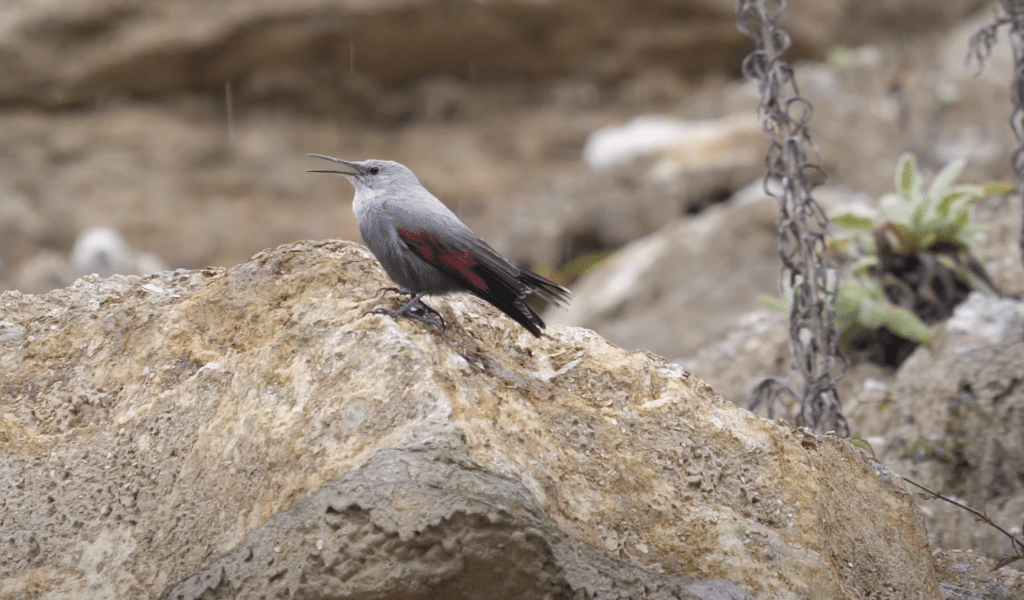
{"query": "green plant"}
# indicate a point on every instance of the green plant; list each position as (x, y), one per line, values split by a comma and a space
(913, 262)
(915, 219)
(861, 304)
(907, 265)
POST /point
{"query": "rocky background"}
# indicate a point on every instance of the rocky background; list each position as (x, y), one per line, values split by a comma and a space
(186, 128)
(140, 137)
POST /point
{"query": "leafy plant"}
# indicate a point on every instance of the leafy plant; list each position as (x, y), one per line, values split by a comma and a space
(915, 219)
(861, 304)
(914, 262)
(909, 264)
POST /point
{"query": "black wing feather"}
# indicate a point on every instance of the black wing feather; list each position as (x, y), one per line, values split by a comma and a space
(469, 260)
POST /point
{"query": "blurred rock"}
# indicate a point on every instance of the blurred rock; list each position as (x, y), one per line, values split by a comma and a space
(951, 420)
(58, 53)
(822, 25)
(690, 146)
(47, 270)
(98, 250)
(103, 251)
(673, 168)
(678, 291)
(967, 576)
(920, 98)
(997, 242)
(291, 51)
(262, 435)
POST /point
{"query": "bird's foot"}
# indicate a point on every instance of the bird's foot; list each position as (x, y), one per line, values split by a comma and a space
(384, 290)
(436, 321)
(416, 310)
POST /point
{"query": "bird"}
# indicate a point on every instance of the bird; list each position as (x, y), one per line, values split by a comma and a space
(427, 250)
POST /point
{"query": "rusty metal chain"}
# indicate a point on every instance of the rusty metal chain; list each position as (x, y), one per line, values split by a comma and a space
(980, 49)
(814, 341)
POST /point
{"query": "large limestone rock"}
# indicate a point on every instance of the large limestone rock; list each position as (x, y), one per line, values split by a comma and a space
(253, 432)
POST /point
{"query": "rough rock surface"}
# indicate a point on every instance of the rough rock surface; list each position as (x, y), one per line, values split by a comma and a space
(206, 432)
(966, 576)
(952, 421)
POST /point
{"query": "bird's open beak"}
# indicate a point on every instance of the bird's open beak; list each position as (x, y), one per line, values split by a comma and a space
(351, 165)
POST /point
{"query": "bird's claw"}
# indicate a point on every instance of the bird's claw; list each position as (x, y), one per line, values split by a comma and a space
(391, 288)
(424, 314)
(437, 324)
(416, 310)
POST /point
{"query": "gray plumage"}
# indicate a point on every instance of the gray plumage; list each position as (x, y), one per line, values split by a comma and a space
(426, 249)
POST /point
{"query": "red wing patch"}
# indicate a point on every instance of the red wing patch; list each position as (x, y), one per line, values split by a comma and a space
(462, 262)
(421, 243)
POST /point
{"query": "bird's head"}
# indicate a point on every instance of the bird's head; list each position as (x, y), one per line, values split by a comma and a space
(372, 174)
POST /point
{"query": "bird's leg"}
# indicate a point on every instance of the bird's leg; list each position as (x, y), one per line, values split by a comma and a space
(415, 309)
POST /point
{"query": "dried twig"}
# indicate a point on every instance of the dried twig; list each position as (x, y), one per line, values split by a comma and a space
(786, 114)
(980, 49)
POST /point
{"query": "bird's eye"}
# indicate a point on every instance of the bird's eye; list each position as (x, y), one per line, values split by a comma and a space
(374, 170)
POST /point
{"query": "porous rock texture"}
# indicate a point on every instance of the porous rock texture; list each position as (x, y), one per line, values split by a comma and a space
(254, 432)
(952, 419)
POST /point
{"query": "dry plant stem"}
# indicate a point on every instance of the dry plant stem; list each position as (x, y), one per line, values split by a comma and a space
(980, 48)
(1018, 546)
(814, 341)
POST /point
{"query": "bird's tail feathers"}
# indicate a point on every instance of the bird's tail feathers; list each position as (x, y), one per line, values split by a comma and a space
(549, 290)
